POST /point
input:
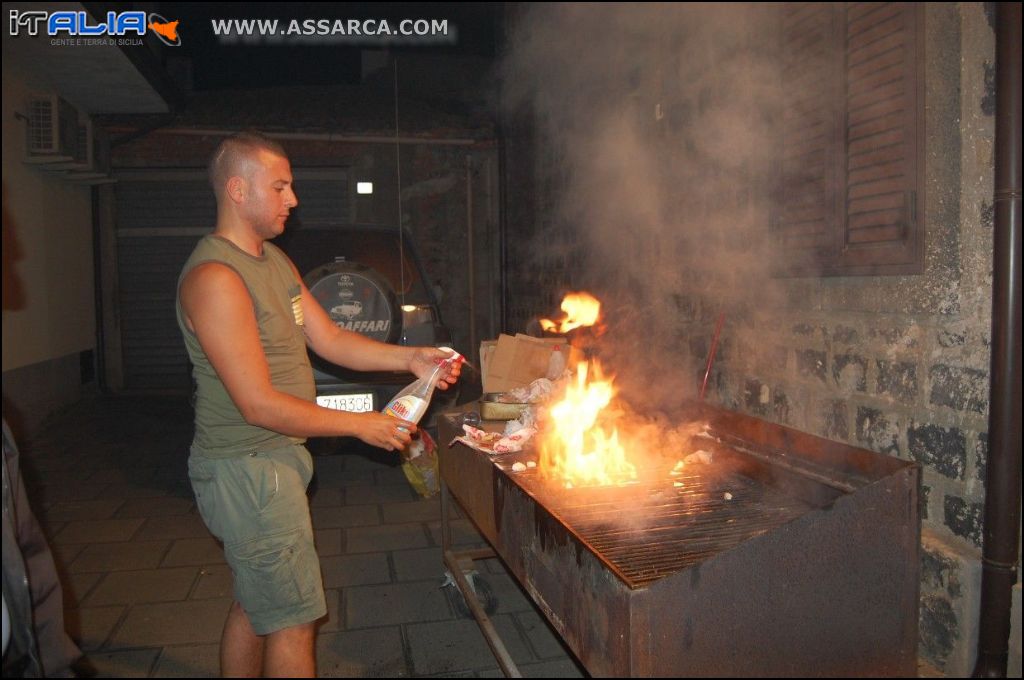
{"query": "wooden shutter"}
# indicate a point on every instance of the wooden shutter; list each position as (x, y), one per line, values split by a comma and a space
(804, 209)
(850, 175)
(881, 174)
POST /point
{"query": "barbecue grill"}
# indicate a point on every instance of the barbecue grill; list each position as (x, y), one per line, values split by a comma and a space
(788, 555)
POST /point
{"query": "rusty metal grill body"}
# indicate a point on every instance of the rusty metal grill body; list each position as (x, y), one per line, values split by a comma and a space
(788, 555)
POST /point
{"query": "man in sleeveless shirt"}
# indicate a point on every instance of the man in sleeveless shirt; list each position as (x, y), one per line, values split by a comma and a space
(247, 318)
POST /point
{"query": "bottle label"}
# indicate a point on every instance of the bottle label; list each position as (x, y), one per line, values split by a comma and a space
(409, 407)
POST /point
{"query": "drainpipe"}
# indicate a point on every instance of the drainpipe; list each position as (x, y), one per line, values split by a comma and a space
(1002, 483)
(471, 261)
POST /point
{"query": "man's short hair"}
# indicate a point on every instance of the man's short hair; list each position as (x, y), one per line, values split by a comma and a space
(228, 159)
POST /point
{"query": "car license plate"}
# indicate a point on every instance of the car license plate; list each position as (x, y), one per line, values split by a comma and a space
(357, 403)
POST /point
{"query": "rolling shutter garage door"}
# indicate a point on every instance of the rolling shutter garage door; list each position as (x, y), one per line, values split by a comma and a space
(160, 214)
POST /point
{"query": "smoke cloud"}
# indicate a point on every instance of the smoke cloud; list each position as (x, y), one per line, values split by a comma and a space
(654, 147)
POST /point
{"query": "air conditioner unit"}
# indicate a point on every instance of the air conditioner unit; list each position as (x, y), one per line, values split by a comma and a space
(53, 132)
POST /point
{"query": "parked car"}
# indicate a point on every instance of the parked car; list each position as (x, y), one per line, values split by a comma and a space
(369, 281)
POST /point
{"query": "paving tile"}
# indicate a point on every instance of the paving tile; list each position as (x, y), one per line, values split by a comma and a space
(150, 585)
(354, 570)
(65, 553)
(188, 661)
(72, 492)
(172, 623)
(120, 475)
(369, 459)
(136, 490)
(198, 551)
(328, 541)
(91, 626)
(332, 623)
(101, 508)
(454, 646)
(417, 511)
(367, 606)
(508, 594)
(98, 531)
(390, 475)
(385, 493)
(464, 533)
(135, 663)
(161, 506)
(119, 556)
(419, 565)
(326, 497)
(345, 516)
(75, 587)
(182, 526)
(562, 668)
(371, 653)
(385, 537)
(326, 465)
(546, 643)
(215, 580)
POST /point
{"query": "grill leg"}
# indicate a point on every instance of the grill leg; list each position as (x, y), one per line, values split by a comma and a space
(454, 560)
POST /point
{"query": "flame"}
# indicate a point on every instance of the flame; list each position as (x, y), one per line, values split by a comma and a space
(576, 447)
(581, 309)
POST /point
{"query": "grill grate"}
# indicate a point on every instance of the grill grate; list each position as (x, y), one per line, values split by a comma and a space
(657, 527)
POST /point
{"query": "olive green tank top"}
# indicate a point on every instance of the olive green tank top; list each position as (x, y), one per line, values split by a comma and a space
(221, 431)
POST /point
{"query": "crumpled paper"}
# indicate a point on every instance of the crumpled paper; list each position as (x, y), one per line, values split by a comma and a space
(537, 391)
(493, 443)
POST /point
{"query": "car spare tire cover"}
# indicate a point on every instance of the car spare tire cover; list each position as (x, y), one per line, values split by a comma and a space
(358, 298)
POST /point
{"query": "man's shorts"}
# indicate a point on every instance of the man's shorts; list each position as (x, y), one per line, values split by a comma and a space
(256, 505)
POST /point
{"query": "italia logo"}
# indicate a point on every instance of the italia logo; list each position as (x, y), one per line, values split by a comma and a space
(81, 25)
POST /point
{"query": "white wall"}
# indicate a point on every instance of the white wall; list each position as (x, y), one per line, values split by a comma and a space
(50, 221)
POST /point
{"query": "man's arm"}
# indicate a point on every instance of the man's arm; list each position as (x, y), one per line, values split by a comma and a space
(219, 310)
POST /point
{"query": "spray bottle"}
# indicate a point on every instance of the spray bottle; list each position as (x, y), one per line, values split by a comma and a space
(412, 402)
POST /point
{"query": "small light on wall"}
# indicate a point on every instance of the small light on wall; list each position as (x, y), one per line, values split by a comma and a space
(364, 187)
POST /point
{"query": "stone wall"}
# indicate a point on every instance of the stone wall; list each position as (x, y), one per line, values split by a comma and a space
(651, 193)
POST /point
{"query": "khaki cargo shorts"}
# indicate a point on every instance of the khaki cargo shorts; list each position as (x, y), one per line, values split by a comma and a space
(256, 505)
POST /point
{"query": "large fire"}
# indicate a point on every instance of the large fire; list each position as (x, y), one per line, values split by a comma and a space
(576, 446)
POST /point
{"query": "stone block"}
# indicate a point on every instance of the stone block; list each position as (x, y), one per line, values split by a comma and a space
(897, 379)
(981, 457)
(944, 449)
(844, 335)
(964, 389)
(835, 420)
(878, 431)
(849, 372)
(756, 397)
(965, 519)
(950, 338)
(811, 363)
(950, 591)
